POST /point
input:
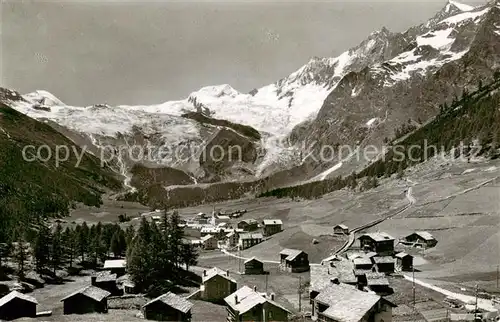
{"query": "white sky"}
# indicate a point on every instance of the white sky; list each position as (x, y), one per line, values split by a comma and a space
(149, 52)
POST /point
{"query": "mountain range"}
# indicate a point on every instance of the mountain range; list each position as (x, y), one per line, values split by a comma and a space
(365, 96)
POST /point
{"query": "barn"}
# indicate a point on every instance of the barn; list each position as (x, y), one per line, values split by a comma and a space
(16, 305)
(89, 299)
(253, 266)
(421, 238)
(404, 261)
(294, 260)
(168, 307)
(341, 229)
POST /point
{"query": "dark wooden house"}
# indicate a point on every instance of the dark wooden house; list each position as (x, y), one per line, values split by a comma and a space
(216, 285)
(168, 307)
(404, 261)
(248, 224)
(341, 229)
(363, 263)
(16, 305)
(294, 260)
(421, 239)
(106, 281)
(253, 266)
(272, 226)
(384, 264)
(380, 243)
(89, 299)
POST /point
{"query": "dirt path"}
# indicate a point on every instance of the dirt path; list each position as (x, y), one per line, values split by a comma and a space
(483, 304)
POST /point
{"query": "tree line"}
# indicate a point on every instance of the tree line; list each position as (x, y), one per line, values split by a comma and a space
(156, 253)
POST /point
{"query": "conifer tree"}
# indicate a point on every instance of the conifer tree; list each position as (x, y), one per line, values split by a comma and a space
(41, 248)
(21, 253)
(83, 240)
(56, 249)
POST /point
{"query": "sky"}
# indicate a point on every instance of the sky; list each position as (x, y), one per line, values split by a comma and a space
(88, 52)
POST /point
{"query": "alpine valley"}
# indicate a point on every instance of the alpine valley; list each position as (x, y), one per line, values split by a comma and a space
(388, 86)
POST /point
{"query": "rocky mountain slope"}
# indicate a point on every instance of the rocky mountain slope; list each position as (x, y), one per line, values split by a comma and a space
(390, 80)
(34, 184)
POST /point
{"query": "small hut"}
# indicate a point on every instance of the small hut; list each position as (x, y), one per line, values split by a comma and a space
(253, 266)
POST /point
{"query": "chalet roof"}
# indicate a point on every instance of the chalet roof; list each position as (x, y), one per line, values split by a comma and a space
(15, 294)
(105, 277)
(402, 255)
(323, 275)
(362, 261)
(376, 279)
(174, 301)
(346, 303)
(291, 253)
(423, 234)
(115, 263)
(272, 222)
(248, 299)
(253, 259)
(251, 236)
(91, 292)
(341, 226)
(371, 254)
(249, 221)
(377, 236)
(383, 260)
(210, 230)
(206, 237)
(215, 271)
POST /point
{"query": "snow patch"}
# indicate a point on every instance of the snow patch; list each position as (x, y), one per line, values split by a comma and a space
(322, 176)
(469, 171)
(437, 39)
(371, 121)
(464, 16)
(460, 6)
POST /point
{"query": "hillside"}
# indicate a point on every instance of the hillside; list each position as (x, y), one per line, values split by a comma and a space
(466, 128)
(33, 189)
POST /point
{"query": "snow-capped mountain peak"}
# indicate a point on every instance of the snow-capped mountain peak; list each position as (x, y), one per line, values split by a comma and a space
(460, 6)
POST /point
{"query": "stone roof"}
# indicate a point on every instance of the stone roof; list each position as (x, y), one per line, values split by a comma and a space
(273, 222)
(323, 275)
(215, 271)
(346, 303)
(92, 292)
(15, 294)
(105, 276)
(249, 221)
(376, 279)
(402, 255)
(341, 226)
(291, 253)
(115, 263)
(174, 301)
(383, 260)
(206, 237)
(378, 237)
(248, 299)
(252, 260)
(362, 261)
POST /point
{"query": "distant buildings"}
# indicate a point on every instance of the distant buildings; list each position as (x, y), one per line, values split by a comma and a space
(420, 239)
(247, 304)
(89, 299)
(380, 243)
(209, 242)
(168, 307)
(16, 305)
(232, 239)
(249, 239)
(294, 260)
(341, 230)
(216, 285)
(272, 226)
(253, 266)
(404, 261)
(248, 224)
(341, 302)
(116, 266)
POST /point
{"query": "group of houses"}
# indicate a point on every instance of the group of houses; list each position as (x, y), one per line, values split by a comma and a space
(90, 299)
(216, 232)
